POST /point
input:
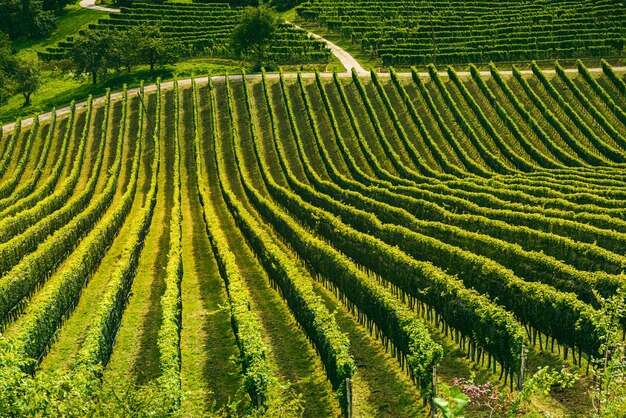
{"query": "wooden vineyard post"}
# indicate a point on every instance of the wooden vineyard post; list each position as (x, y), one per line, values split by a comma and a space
(349, 397)
(520, 377)
(433, 409)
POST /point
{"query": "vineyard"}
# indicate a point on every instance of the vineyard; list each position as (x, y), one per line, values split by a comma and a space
(343, 241)
(204, 29)
(402, 33)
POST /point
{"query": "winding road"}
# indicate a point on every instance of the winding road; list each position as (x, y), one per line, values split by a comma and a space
(347, 60)
(91, 5)
(342, 55)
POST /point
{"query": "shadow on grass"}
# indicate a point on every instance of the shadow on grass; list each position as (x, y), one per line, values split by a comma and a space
(115, 82)
(62, 97)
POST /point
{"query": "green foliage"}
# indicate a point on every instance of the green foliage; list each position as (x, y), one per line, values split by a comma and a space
(55, 4)
(401, 33)
(19, 193)
(543, 381)
(242, 3)
(401, 327)
(10, 184)
(124, 399)
(56, 394)
(282, 5)
(76, 393)
(417, 159)
(438, 154)
(617, 110)
(100, 336)
(307, 307)
(555, 121)
(618, 82)
(609, 386)
(7, 64)
(193, 30)
(452, 401)
(422, 281)
(608, 150)
(414, 233)
(541, 134)
(93, 53)
(97, 51)
(57, 301)
(168, 339)
(5, 83)
(489, 397)
(32, 267)
(149, 46)
(10, 148)
(27, 78)
(255, 33)
(17, 75)
(492, 159)
(44, 189)
(27, 18)
(608, 127)
(258, 376)
(518, 161)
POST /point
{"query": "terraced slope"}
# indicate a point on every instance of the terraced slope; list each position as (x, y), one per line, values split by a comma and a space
(202, 29)
(404, 33)
(268, 238)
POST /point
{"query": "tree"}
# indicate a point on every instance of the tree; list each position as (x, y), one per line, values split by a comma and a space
(255, 32)
(153, 48)
(94, 52)
(27, 78)
(55, 4)
(16, 75)
(5, 84)
(26, 18)
(144, 44)
(127, 48)
(7, 66)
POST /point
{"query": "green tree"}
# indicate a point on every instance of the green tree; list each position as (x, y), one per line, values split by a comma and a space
(7, 65)
(255, 32)
(26, 18)
(94, 52)
(153, 48)
(55, 4)
(5, 84)
(127, 44)
(27, 78)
